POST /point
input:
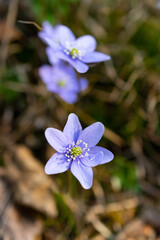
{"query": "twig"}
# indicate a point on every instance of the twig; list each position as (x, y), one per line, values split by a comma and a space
(32, 23)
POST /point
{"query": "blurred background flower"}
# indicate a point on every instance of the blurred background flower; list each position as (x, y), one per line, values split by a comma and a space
(62, 79)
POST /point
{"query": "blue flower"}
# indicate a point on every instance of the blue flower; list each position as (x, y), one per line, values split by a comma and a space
(77, 52)
(62, 79)
(76, 150)
(50, 36)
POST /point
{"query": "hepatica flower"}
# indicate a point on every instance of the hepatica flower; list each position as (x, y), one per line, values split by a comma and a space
(77, 150)
(50, 35)
(77, 52)
(62, 79)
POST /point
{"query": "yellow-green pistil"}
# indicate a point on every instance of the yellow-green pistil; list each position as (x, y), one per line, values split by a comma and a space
(61, 83)
(76, 151)
(74, 52)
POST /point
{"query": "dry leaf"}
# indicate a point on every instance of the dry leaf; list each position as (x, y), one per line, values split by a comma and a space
(137, 230)
(32, 187)
(15, 225)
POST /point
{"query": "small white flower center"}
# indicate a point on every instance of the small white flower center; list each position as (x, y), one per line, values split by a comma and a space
(77, 150)
(73, 50)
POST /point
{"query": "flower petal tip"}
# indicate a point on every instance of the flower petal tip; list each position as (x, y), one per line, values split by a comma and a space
(101, 126)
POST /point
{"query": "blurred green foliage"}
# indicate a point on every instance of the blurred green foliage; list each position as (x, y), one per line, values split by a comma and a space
(52, 10)
(11, 76)
(125, 171)
(147, 39)
(66, 216)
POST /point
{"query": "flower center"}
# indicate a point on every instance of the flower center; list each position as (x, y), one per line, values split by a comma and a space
(76, 151)
(74, 52)
(61, 83)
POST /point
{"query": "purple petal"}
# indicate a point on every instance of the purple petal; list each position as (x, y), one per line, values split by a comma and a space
(70, 71)
(47, 31)
(65, 35)
(68, 96)
(72, 128)
(57, 164)
(52, 43)
(93, 159)
(51, 87)
(45, 72)
(50, 35)
(107, 155)
(47, 28)
(87, 43)
(77, 64)
(94, 57)
(50, 40)
(69, 74)
(52, 56)
(97, 155)
(57, 139)
(92, 134)
(83, 174)
(72, 87)
(83, 84)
